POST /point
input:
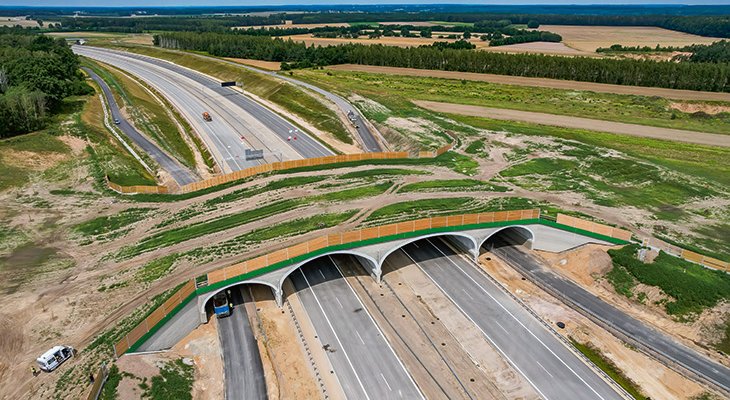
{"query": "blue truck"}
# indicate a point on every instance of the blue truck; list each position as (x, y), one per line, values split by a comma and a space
(221, 306)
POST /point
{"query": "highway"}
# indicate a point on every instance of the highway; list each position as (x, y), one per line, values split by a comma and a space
(363, 361)
(181, 174)
(238, 122)
(544, 360)
(366, 135)
(244, 372)
(654, 341)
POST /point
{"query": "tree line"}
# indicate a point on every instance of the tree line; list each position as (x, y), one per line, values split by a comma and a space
(36, 73)
(691, 76)
(717, 52)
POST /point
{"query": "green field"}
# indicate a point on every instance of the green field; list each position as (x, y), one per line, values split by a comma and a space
(653, 111)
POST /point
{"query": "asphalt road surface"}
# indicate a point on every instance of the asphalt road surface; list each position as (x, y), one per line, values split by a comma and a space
(238, 122)
(244, 373)
(652, 339)
(366, 135)
(364, 362)
(180, 173)
(550, 367)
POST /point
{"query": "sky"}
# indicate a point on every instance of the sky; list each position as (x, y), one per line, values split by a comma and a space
(153, 3)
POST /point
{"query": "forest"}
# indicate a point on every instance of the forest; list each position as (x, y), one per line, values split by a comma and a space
(36, 73)
(685, 75)
(704, 25)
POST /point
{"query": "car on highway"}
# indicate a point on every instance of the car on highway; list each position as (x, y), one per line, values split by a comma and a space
(117, 121)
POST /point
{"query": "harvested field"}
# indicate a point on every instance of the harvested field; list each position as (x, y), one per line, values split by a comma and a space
(384, 40)
(413, 23)
(309, 26)
(579, 123)
(589, 38)
(538, 47)
(267, 65)
(541, 82)
(25, 23)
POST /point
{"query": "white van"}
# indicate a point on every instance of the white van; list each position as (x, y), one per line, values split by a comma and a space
(54, 357)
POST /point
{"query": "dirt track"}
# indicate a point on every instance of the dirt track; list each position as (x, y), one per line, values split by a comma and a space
(541, 82)
(709, 139)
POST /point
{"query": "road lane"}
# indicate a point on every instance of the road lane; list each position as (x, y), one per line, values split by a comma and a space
(550, 367)
(181, 174)
(264, 128)
(242, 367)
(364, 363)
(645, 336)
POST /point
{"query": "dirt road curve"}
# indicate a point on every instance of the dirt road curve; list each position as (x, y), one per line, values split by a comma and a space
(709, 139)
(541, 82)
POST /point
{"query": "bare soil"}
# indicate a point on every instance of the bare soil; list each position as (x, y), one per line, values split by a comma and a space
(540, 82)
(267, 65)
(709, 139)
(691, 108)
(541, 48)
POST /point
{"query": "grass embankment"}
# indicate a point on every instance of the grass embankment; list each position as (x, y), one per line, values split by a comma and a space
(643, 110)
(477, 147)
(107, 227)
(611, 181)
(454, 161)
(607, 366)
(175, 381)
(381, 172)
(286, 95)
(148, 114)
(279, 231)
(178, 235)
(408, 210)
(692, 287)
(452, 185)
(43, 154)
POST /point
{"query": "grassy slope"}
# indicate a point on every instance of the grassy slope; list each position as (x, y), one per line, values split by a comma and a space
(611, 107)
(286, 95)
(148, 114)
(108, 156)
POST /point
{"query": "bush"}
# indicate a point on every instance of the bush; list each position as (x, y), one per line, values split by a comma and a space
(532, 24)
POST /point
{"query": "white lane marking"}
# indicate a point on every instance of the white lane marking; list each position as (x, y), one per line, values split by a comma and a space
(415, 244)
(338, 302)
(377, 327)
(322, 273)
(500, 325)
(544, 369)
(360, 337)
(514, 365)
(335, 333)
(467, 293)
(518, 321)
(386, 382)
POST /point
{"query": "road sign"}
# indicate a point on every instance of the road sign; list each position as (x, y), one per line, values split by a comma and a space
(254, 154)
(226, 84)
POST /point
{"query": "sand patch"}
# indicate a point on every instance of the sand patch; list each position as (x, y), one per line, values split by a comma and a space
(692, 108)
(267, 65)
(31, 160)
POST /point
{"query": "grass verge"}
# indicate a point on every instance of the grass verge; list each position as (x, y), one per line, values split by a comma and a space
(609, 368)
(452, 185)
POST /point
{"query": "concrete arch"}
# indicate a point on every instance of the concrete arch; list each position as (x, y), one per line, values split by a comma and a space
(374, 265)
(466, 241)
(528, 234)
(204, 299)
